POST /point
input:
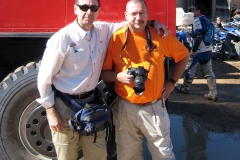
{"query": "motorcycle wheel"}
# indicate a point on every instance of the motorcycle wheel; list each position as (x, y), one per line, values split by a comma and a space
(223, 56)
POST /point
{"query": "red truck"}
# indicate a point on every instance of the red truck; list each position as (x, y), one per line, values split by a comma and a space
(25, 27)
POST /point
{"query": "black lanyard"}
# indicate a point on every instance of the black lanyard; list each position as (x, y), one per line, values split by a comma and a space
(149, 43)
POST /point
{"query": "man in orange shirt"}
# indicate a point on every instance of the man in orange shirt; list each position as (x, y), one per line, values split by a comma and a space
(135, 62)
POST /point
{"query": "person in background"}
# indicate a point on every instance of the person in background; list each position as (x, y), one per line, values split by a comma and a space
(218, 24)
(200, 55)
(135, 63)
(72, 62)
(236, 15)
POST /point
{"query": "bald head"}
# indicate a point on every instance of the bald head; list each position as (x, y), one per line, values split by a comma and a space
(135, 2)
(136, 14)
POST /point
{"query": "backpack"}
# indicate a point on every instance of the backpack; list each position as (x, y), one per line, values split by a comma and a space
(208, 31)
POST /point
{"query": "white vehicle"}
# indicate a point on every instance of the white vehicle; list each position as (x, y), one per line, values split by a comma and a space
(182, 18)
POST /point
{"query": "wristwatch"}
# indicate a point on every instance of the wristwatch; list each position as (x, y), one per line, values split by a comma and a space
(173, 81)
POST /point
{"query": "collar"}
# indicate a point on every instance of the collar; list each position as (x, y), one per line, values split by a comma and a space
(80, 30)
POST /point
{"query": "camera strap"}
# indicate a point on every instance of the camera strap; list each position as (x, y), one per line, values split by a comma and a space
(149, 44)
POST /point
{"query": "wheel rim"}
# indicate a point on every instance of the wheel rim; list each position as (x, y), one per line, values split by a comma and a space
(35, 133)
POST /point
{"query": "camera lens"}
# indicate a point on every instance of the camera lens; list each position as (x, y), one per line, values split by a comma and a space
(139, 86)
(140, 75)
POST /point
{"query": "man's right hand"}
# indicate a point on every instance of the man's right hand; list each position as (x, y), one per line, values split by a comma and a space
(124, 77)
(54, 120)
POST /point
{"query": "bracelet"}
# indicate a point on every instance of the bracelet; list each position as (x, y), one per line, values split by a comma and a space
(173, 82)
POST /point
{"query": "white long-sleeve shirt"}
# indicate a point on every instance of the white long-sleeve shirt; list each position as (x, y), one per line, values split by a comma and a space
(72, 62)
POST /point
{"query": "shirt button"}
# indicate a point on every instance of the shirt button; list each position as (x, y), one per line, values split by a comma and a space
(87, 85)
(94, 63)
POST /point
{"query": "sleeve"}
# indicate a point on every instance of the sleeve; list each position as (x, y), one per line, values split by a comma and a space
(197, 26)
(111, 27)
(50, 65)
(197, 41)
(108, 62)
(197, 36)
(173, 48)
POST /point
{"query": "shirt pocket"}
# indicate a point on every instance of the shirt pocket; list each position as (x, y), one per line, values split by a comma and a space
(76, 57)
(99, 57)
(74, 62)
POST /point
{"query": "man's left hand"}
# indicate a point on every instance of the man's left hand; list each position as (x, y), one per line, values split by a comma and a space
(192, 54)
(167, 89)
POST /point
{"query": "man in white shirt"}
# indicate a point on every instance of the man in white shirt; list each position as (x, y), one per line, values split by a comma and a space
(72, 62)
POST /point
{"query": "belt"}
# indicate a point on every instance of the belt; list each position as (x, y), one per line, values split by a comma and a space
(148, 103)
(81, 96)
(69, 99)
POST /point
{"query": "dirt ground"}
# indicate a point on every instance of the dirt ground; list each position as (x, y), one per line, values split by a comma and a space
(222, 116)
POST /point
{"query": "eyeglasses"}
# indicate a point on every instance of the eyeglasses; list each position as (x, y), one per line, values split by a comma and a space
(85, 8)
(141, 14)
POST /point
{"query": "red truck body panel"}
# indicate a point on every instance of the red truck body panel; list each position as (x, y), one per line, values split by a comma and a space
(50, 15)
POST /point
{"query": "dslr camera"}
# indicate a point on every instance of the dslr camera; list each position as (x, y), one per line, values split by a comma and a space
(140, 75)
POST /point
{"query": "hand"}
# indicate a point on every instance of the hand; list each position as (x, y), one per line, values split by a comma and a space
(158, 26)
(54, 121)
(192, 54)
(167, 89)
(124, 77)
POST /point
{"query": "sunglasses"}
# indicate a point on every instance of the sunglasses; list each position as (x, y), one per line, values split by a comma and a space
(85, 8)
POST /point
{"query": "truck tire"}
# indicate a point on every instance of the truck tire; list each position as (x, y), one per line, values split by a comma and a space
(25, 134)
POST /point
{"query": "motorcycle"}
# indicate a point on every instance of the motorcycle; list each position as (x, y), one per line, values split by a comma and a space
(233, 27)
(226, 42)
(235, 23)
(185, 38)
(219, 45)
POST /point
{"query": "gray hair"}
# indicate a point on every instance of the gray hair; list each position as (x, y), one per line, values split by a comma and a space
(137, 1)
(77, 1)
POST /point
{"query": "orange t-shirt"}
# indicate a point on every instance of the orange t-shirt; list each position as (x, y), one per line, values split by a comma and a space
(136, 54)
